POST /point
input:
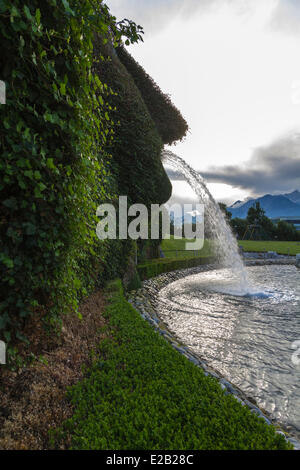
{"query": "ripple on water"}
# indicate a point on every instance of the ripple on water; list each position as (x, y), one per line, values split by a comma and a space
(247, 337)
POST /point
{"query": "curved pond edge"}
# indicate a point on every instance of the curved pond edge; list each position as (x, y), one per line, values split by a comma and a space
(144, 301)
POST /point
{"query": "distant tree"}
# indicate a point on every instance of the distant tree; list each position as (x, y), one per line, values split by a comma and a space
(227, 214)
(255, 214)
(239, 227)
(258, 226)
(267, 229)
(172, 226)
(286, 231)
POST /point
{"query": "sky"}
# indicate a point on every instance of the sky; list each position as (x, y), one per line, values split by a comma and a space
(232, 68)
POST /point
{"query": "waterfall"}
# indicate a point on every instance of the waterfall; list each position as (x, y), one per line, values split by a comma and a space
(225, 244)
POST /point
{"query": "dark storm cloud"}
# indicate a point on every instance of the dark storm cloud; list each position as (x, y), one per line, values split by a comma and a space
(174, 175)
(175, 199)
(273, 168)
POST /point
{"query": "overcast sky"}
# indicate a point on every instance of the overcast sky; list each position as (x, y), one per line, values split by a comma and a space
(232, 67)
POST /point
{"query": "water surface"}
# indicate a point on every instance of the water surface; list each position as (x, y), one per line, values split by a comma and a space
(247, 338)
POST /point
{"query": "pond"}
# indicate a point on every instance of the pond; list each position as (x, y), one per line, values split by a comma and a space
(249, 339)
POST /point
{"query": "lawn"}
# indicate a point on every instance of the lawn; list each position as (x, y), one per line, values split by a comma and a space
(176, 248)
(142, 394)
(282, 248)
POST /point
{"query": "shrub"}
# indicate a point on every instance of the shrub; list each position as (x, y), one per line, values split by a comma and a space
(136, 148)
(163, 265)
(169, 121)
(137, 145)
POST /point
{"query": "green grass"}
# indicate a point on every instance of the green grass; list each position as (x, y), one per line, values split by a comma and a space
(177, 249)
(282, 248)
(142, 394)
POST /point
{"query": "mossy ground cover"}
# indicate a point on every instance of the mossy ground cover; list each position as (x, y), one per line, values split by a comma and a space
(142, 394)
(283, 248)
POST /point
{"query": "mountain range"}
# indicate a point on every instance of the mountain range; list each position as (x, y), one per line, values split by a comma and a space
(189, 218)
(280, 205)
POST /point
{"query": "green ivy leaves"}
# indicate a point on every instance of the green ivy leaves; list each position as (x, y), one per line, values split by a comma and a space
(52, 132)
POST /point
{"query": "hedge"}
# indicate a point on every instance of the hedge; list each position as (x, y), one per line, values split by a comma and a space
(162, 265)
(137, 145)
(169, 121)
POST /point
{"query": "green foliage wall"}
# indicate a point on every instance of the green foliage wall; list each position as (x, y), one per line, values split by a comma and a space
(54, 168)
(137, 145)
(75, 132)
(168, 119)
(136, 148)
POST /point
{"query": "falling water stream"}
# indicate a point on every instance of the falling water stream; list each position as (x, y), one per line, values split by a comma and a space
(226, 247)
(245, 322)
